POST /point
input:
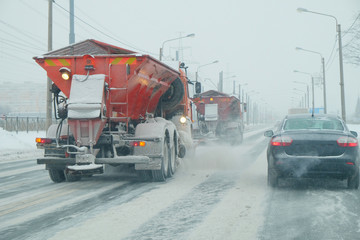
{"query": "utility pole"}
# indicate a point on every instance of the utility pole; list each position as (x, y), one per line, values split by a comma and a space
(72, 32)
(342, 89)
(220, 81)
(324, 85)
(49, 83)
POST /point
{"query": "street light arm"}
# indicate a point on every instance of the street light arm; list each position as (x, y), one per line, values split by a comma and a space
(162, 46)
(197, 70)
(306, 50)
(296, 71)
(323, 14)
(216, 61)
(173, 39)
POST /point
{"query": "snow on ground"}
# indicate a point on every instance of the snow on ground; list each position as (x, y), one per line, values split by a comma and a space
(19, 145)
(242, 208)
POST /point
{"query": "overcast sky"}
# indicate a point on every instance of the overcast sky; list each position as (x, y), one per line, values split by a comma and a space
(254, 40)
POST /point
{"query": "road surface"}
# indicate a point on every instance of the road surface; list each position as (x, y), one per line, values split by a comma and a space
(220, 194)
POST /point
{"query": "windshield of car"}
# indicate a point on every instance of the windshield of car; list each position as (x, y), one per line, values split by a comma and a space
(313, 123)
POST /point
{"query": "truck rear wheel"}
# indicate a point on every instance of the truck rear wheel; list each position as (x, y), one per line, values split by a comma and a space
(70, 177)
(172, 162)
(161, 174)
(56, 175)
(144, 175)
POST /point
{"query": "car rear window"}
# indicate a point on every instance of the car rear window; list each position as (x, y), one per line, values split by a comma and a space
(313, 123)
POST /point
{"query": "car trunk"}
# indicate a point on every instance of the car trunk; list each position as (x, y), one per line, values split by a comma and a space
(320, 144)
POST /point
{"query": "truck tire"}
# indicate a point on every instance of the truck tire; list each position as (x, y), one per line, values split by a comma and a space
(173, 95)
(144, 175)
(56, 175)
(172, 159)
(161, 174)
(71, 177)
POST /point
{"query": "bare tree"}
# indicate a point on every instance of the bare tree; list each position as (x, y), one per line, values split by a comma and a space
(351, 48)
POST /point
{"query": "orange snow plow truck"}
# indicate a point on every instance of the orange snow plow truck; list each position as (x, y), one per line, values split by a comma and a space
(219, 117)
(114, 106)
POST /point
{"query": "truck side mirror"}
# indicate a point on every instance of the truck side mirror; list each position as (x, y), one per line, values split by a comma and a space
(197, 87)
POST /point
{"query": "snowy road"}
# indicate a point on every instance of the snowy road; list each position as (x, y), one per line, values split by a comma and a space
(221, 194)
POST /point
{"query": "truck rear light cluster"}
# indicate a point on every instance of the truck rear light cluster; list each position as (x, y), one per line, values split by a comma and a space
(43, 140)
(347, 142)
(281, 141)
(138, 144)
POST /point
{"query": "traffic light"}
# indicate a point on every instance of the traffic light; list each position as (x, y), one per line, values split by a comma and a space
(197, 87)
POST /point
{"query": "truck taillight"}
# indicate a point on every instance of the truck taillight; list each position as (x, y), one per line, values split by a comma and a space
(347, 142)
(43, 140)
(138, 144)
(281, 141)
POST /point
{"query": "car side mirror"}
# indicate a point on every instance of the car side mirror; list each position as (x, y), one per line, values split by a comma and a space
(269, 133)
(354, 133)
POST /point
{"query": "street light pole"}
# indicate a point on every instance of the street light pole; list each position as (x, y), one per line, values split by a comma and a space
(173, 39)
(323, 68)
(244, 84)
(307, 90)
(197, 70)
(302, 92)
(312, 86)
(338, 29)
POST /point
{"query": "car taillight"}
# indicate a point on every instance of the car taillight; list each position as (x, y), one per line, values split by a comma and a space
(281, 141)
(43, 140)
(347, 142)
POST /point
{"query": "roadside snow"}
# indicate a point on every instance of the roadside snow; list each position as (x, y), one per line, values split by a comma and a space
(19, 146)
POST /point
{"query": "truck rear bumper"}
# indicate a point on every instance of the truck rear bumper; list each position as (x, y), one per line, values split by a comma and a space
(141, 162)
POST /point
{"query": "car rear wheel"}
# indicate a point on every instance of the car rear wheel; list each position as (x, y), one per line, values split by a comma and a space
(272, 178)
(353, 181)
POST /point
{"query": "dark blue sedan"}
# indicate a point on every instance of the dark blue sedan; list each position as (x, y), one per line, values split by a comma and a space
(313, 146)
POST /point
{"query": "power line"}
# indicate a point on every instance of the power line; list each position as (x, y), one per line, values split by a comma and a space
(14, 45)
(331, 58)
(20, 31)
(115, 39)
(41, 14)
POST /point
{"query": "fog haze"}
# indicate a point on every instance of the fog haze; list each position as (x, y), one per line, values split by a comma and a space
(253, 40)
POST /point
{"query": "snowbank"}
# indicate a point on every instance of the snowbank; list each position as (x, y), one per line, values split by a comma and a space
(21, 145)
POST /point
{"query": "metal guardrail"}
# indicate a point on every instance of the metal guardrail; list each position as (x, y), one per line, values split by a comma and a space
(16, 124)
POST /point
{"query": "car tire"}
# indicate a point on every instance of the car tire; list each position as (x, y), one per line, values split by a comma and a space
(273, 178)
(353, 181)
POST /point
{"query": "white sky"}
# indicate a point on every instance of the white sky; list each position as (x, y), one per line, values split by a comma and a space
(253, 39)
